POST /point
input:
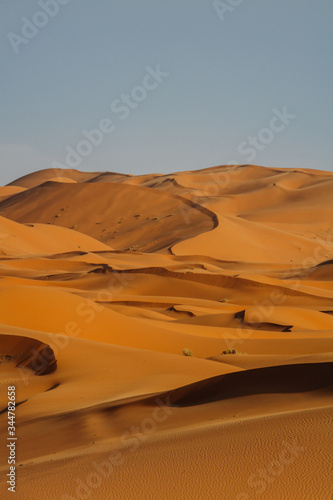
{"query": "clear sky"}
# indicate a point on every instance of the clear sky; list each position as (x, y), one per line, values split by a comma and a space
(187, 84)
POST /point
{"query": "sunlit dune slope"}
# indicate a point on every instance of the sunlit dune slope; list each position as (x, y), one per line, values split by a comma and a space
(18, 239)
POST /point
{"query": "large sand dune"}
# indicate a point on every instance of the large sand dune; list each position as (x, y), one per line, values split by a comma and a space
(169, 336)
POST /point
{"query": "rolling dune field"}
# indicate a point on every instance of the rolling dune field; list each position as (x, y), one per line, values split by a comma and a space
(168, 336)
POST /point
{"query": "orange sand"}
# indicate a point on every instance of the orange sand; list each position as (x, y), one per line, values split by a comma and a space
(108, 280)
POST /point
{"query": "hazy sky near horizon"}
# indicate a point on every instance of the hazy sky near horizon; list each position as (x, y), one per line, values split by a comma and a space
(169, 85)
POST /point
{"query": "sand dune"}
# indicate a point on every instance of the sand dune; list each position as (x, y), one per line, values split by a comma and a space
(8, 191)
(18, 239)
(169, 336)
(278, 379)
(41, 176)
(118, 214)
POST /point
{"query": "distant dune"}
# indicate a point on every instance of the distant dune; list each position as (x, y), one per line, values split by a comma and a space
(169, 336)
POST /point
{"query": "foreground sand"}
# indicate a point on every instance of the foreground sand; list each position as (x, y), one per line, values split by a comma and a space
(107, 280)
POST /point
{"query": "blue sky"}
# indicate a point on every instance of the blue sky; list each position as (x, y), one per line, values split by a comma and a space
(229, 68)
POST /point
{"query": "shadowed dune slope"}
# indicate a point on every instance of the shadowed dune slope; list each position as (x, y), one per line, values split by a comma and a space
(277, 379)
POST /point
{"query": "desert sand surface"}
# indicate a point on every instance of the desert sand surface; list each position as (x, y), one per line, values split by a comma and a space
(168, 336)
